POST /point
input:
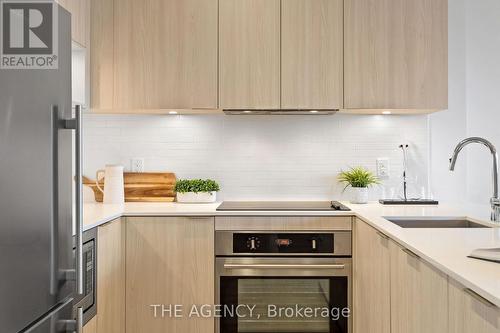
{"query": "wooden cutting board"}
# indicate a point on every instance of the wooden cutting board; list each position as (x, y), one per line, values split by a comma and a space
(141, 187)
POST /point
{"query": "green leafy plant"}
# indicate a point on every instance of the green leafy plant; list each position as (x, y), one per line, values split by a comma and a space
(358, 177)
(196, 185)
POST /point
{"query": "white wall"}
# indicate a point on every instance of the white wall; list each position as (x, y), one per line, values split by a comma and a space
(447, 128)
(483, 92)
(260, 157)
(474, 82)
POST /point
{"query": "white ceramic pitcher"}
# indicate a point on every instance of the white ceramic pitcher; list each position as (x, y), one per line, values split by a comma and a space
(113, 184)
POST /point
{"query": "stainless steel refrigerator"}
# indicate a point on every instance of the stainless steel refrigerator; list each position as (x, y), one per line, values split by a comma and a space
(39, 272)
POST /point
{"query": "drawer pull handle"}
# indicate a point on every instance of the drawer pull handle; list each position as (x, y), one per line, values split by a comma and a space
(411, 253)
(382, 235)
(284, 266)
(479, 298)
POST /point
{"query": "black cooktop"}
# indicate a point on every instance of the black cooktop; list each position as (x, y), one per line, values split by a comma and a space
(282, 206)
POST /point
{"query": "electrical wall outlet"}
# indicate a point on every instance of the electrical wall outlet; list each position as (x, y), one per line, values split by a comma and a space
(383, 168)
(137, 165)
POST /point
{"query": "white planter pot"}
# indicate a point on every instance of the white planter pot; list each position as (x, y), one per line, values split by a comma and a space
(359, 195)
(200, 197)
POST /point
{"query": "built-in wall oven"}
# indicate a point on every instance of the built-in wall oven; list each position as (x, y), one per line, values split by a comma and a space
(287, 282)
(88, 301)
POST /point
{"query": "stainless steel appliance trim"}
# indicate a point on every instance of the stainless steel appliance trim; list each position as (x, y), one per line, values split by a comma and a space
(250, 112)
(342, 243)
(89, 237)
(76, 124)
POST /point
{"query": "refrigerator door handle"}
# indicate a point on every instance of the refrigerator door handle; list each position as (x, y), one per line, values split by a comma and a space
(76, 125)
(73, 325)
(54, 240)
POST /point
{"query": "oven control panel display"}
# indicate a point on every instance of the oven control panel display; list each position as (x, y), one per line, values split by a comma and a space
(298, 243)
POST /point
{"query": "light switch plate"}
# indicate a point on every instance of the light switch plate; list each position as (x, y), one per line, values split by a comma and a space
(383, 168)
(137, 165)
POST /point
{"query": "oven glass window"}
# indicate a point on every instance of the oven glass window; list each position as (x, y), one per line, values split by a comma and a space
(286, 305)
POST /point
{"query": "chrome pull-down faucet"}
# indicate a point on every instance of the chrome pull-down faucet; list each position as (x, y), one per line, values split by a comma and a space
(495, 200)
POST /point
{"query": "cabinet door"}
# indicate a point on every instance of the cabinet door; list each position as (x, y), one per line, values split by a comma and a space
(419, 294)
(91, 326)
(165, 54)
(396, 54)
(111, 277)
(371, 274)
(312, 54)
(101, 54)
(80, 19)
(170, 260)
(249, 54)
(470, 313)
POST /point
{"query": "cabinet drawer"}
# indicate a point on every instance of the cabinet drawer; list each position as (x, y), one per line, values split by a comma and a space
(285, 223)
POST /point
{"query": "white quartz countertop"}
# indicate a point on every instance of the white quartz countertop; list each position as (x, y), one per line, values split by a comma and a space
(446, 249)
(95, 214)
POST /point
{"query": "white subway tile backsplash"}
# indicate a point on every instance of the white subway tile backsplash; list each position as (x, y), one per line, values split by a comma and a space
(260, 157)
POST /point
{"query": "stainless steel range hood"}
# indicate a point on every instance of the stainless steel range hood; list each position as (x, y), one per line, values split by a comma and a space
(280, 112)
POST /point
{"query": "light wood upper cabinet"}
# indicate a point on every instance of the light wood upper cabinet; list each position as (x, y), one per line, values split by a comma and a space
(311, 54)
(396, 54)
(101, 54)
(371, 280)
(165, 54)
(170, 260)
(155, 54)
(419, 294)
(111, 277)
(80, 19)
(470, 313)
(249, 54)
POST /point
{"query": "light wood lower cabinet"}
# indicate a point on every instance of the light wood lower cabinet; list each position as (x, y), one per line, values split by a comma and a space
(170, 260)
(371, 276)
(91, 326)
(394, 290)
(111, 277)
(469, 313)
(419, 294)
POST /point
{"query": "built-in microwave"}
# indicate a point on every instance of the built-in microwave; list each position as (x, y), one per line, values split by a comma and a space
(88, 301)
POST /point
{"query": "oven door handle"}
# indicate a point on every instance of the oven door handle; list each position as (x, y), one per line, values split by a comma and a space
(284, 266)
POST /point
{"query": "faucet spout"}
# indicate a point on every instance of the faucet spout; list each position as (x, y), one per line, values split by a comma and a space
(495, 200)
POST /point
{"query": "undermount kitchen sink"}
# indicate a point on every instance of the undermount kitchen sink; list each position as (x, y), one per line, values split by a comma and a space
(434, 222)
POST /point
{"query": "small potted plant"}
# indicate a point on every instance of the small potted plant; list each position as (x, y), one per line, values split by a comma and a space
(196, 190)
(359, 179)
